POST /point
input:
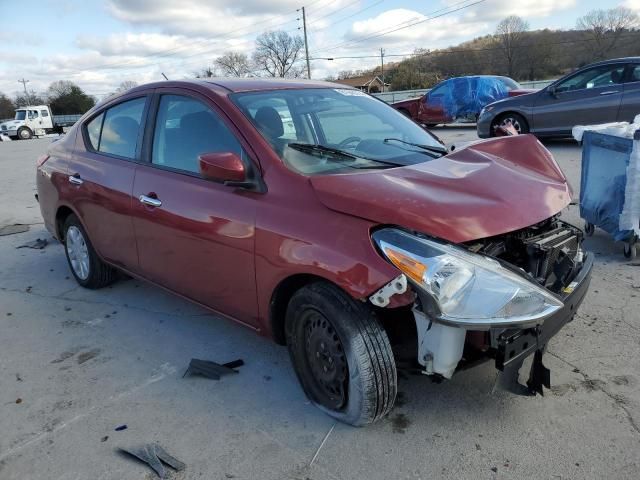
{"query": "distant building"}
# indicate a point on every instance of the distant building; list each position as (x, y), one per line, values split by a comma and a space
(366, 83)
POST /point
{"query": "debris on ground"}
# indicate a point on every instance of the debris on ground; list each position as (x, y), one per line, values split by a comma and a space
(37, 244)
(13, 229)
(18, 377)
(154, 456)
(209, 369)
(18, 401)
(104, 439)
(120, 428)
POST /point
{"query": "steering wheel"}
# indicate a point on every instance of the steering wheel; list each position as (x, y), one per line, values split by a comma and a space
(348, 140)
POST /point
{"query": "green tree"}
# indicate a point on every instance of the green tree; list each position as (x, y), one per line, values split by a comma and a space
(6, 107)
(67, 98)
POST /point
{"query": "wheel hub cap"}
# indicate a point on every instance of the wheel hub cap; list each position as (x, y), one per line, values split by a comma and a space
(78, 252)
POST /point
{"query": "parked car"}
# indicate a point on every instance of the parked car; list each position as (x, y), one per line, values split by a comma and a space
(352, 236)
(36, 120)
(602, 92)
(459, 99)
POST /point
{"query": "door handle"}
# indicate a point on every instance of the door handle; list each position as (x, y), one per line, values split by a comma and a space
(75, 179)
(152, 202)
(609, 92)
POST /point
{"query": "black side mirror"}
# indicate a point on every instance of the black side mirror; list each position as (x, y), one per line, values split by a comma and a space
(553, 92)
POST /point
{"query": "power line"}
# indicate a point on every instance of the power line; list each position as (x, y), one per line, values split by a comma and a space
(406, 24)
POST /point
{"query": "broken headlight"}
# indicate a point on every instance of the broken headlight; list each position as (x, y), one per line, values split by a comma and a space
(465, 288)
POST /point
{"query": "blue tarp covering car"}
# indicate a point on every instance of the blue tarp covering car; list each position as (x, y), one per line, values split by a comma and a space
(468, 95)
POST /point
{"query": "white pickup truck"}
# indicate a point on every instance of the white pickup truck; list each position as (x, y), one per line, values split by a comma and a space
(36, 120)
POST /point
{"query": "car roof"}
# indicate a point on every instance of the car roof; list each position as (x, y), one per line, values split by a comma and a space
(614, 60)
(236, 85)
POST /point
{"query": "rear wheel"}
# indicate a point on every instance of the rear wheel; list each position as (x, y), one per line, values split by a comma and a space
(341, 354)
(515, 119)
(25, 133)
(87, 268)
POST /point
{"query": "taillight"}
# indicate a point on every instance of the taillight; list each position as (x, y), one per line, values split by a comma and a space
(42, 159)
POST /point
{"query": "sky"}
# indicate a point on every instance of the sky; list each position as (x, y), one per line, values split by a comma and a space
(99, 44)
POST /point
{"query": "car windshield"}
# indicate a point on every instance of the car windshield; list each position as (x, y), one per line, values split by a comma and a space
(21, 114)
(326, 130)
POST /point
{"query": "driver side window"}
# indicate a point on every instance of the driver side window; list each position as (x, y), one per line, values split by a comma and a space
(601, 76)
(185, 129)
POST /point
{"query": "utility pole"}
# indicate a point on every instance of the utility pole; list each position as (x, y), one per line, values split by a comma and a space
(382, 66)
(24, 84)
(306, 42)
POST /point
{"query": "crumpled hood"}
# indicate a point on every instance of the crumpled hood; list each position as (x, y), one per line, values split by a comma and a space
(488, 188)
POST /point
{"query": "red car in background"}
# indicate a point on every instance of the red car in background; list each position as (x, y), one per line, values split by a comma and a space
(459, 99)
(321, 217)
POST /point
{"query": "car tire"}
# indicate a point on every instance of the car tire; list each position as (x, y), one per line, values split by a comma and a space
(25, 133)
(405, 112)
(341, 354)
(518, 121)
(87, 268)
(431, 125)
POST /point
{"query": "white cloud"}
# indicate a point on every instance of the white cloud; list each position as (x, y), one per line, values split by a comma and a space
(632, 4)
(496, 10)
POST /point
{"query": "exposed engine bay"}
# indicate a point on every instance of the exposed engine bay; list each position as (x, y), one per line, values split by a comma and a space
(550, 251)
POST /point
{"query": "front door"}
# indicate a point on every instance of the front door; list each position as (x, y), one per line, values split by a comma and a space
(589, 97)
(631, 101)
(195, 236)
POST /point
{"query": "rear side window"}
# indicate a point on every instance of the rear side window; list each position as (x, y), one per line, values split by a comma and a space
(117, 130)
(187, 128)
(93, 130)
(635, 73)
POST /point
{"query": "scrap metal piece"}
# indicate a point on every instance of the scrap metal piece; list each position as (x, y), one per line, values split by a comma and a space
(539, 375)
(382, 297)
(154, 456)
(37, 244)
(209, 369)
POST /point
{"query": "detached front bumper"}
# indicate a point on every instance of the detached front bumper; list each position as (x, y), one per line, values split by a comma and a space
(514, 346)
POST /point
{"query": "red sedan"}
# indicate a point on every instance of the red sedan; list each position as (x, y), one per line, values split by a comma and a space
(326, 220)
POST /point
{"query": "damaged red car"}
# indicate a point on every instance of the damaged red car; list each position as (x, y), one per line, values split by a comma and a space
(321, 217)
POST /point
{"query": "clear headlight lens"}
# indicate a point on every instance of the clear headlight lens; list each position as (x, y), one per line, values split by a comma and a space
(467, 288)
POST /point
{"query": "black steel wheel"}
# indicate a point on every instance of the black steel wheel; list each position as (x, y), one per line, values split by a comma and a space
(341, 354)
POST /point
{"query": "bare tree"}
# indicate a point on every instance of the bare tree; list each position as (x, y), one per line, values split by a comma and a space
(509, 36)
(603, 28)
(276, 54)
(126, 85)
(234, 64)
(207, 72)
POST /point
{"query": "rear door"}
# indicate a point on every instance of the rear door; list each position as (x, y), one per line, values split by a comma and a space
(631, 100)
(198, 239)
(101, 178)
(590, 96)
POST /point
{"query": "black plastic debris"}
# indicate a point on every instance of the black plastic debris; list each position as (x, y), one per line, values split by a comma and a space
(154, 456)
(37, 244)
(13, 229)
(121, 428)
(208, 369)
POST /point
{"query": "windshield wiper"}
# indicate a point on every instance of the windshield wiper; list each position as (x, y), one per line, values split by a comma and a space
(428, 148)
(315, 147)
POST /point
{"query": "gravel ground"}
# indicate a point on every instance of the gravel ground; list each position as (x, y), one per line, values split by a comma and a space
(75, 364)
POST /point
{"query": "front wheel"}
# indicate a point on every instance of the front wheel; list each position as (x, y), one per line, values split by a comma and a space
(341, 354)
(25, 133)
(87, 268)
